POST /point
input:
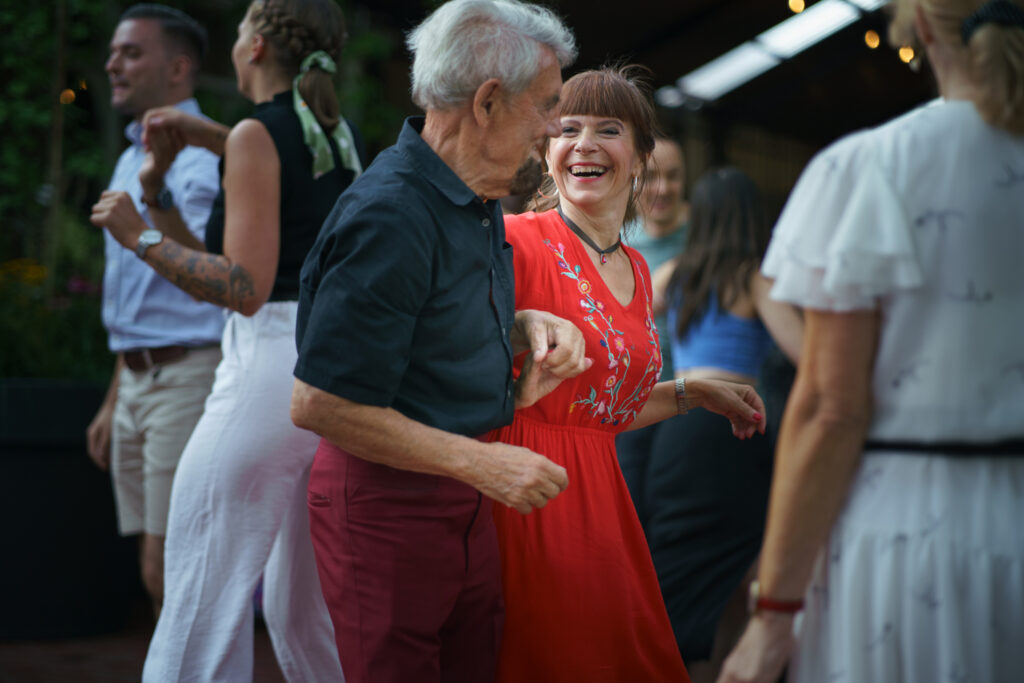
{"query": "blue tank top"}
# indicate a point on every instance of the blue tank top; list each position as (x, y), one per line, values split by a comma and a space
(719, 339)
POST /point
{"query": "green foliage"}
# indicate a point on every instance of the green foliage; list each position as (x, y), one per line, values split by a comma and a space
(51, 257)
(362, 94)
(47, 335)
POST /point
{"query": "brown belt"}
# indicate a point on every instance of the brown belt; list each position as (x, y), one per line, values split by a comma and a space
(144, 359)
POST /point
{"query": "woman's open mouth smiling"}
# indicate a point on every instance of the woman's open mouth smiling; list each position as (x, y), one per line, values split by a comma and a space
(587, 171)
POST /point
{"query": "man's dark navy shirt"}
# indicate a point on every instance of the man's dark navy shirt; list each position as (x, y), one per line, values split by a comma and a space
(407, 298)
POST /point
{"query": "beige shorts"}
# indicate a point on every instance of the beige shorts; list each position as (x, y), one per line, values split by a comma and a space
(155, 413)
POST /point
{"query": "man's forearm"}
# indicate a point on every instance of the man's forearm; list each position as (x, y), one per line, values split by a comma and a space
(508, 474)
(382, 435)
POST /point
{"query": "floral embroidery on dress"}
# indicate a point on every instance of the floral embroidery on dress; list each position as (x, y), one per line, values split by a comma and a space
(608, 402)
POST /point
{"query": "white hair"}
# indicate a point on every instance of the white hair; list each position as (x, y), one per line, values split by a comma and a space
(466, 42)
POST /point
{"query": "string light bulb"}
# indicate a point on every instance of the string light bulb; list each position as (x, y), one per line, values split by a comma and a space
(872, 40)
(906, 54)
(67, 96)
(796, 6)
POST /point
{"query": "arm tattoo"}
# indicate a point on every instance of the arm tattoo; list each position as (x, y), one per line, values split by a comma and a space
(207, 277)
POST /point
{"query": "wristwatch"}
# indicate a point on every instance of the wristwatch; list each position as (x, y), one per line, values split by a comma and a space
(757, 602)
(147, 239)
(164, 200)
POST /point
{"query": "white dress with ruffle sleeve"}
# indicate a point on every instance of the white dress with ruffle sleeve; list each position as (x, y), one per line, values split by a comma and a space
(921, 219)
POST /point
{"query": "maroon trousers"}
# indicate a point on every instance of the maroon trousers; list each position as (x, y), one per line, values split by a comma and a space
(409, 567)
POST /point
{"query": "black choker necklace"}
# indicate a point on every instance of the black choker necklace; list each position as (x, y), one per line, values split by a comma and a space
(589, 242)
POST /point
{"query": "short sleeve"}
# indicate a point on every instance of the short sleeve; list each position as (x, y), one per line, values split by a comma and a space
(844, 238)
(362, 288)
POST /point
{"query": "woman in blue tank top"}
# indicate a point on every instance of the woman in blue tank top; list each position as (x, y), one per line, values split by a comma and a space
(706, 492)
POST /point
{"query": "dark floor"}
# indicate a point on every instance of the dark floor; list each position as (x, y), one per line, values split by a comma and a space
(112, 658)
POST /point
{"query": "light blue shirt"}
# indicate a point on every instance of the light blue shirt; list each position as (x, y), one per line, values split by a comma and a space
(141, 309)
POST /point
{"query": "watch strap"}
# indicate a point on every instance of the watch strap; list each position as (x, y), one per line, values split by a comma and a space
(164, 200)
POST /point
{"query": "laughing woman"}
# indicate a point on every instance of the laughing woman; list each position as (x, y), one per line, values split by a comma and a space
(581, 595)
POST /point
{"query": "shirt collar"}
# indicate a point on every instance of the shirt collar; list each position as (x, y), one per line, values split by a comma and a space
(431, 166)
(133, 131)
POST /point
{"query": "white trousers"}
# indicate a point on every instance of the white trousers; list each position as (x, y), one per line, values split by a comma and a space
(238, 509)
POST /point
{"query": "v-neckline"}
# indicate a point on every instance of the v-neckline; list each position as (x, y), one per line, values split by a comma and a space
(581, 249)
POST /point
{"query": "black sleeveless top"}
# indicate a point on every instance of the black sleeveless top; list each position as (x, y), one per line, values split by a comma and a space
(305, 202)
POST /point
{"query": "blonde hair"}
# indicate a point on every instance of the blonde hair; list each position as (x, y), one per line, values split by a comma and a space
(994, 55)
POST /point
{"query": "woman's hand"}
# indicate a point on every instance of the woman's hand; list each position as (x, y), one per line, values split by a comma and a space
(762, 652)
(116, 212)
(738, 403)
(188, 129)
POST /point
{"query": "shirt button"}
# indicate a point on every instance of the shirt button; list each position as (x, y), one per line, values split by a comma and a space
(485, 222)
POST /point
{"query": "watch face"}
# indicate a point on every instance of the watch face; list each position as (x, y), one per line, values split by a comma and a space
(164, 198)
(146, 240)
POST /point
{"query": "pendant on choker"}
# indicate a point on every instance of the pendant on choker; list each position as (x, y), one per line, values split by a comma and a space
(586, 238)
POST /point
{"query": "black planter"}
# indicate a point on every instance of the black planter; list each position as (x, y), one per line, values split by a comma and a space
(65, 570)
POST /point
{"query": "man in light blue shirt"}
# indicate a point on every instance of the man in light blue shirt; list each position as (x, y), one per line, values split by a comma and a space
(167, 344)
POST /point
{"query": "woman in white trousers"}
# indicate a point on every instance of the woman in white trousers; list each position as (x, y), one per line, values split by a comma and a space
(238, 503)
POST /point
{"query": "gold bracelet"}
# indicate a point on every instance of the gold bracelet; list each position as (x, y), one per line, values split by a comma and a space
(681, 407)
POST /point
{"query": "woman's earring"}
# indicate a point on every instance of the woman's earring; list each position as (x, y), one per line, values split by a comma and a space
(636, 181)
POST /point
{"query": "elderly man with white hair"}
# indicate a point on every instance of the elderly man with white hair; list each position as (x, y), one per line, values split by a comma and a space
(407, 330)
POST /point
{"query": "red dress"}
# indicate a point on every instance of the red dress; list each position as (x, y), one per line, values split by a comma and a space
(581, 595)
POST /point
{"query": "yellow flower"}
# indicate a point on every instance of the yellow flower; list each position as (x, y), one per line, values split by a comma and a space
(26, 270)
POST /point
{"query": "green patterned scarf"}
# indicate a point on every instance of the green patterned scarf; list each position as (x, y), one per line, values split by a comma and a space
(313, 134)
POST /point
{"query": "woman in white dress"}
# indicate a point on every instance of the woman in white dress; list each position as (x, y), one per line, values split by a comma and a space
(896, 504)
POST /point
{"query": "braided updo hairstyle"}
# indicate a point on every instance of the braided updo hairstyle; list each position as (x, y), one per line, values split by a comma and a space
(296, 29)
